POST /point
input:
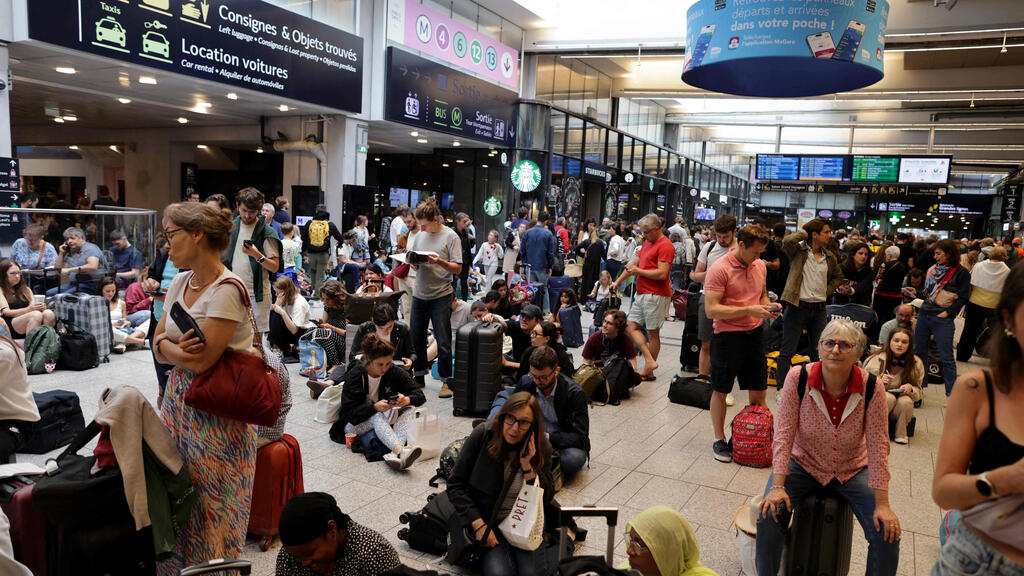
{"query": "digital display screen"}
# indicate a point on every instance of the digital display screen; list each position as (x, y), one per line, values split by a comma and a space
(447, 200)
(778, 167)
(399, 196)
(924, 170)
(876, 168)
(822, 167)
(703, 213)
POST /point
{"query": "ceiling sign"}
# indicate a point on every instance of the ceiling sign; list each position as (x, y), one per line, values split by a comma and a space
(420, 28)
(245, 43)
(784, 48)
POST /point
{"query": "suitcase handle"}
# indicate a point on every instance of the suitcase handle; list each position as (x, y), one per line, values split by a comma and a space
(566, 513)
(216, 565)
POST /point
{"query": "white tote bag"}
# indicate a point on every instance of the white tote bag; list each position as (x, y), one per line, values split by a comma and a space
(524, 525)
(327, 405)
(425, 432)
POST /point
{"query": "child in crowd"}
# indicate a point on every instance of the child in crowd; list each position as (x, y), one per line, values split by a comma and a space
(291, 251)
(373, 281)
(603, 288)
(566, 299)
(490, 256)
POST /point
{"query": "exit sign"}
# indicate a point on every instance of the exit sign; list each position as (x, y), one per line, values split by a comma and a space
(363, 149)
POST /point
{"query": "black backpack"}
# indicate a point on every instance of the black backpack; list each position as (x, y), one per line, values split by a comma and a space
(428, 528)
(77, 351)
(510, 238)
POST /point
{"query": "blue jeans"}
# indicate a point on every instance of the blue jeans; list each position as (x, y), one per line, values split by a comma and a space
(541, 277)
(439, 313)
(677, 279)
(499, 400)
(137, 318)
(929, 325)
(794, 321)
(349, 274)
(504, 560)
(613, 267)
(965, 553)
(883, 557)
(62, 289)
(571, 460)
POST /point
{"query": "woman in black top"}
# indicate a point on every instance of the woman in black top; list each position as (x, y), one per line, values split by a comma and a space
(545, 334)
(504, 308)
(888, 292)
(376, 398)
(509, 450)
(859, 279)
(981, 455)
(592, 249)
(384, 323)
(17, 303)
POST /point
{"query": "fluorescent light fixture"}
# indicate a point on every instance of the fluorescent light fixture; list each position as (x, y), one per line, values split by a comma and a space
(182, 120)
(201, 146)
(147, 80)
(58, 120)
(125, 100)
(65, 70)
(456, 143)
(948, 48)
(445, 165)
(460, 161)
(232, 96)
(72, 147)
(414, 133)
(283, 108)
(954, 32)
(483, 165)
(70, 118)
(421, 140)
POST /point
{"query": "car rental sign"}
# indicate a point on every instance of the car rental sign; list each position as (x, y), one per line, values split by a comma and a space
(246, 43)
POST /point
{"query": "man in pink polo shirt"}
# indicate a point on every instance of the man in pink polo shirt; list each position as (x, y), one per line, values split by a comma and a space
(736, 299)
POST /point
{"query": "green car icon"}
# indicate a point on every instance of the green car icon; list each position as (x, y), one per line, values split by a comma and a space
(109, 30)
(156, 43)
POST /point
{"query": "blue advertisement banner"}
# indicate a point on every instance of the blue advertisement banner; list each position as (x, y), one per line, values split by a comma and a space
(785, 48)
(246, 43)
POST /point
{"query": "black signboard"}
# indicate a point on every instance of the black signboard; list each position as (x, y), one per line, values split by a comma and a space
(1011, 203)
(10, 173)
(429, 95)
(955, 204)
(247, 43)
(189, 179)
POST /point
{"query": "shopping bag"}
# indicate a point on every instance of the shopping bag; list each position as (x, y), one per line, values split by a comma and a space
(523, 528)
(312, 357)
(328, 404)
(425, 432)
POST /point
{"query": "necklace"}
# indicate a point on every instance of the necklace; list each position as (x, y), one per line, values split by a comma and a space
(194, 286)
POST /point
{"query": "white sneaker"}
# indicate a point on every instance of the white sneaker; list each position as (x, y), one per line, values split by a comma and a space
(119, 348)
(901, 440)
(409, 455)
(391, 459)
(729, 400)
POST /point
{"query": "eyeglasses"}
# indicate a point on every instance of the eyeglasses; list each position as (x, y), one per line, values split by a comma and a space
(844, 346)
(14, 272)
(514, 422)
(543, 378)
(637, 546)
(170, 232)
(538, 334)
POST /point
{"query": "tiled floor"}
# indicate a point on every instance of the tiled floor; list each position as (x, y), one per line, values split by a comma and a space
(646, 451)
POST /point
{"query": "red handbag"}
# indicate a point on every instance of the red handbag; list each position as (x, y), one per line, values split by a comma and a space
(240, 386)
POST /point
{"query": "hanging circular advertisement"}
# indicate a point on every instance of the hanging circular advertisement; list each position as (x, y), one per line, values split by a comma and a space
(526, 176)
(492, 206)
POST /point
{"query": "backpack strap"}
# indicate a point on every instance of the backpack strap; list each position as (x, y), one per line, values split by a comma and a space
(801, 387)
(869, 393)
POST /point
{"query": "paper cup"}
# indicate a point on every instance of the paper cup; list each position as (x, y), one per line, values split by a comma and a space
(349, 439)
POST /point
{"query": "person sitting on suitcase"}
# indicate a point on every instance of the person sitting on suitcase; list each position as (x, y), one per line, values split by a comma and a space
(375, 399)
(79, 262)
(318, 538)
(820, 443)
(660, 542)
(510, 450)
(612, 351)
(566, 299)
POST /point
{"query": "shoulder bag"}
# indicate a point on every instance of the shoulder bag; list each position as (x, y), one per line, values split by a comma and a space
(944, 298)
(240, 386)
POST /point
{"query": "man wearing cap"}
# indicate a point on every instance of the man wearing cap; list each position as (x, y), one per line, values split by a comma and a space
(529, 317)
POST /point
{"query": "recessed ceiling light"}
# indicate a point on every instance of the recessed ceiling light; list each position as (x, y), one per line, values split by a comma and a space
(445, 165)
(71, 117)
(376, 158)
(147, 80)
(283, 107)
(232, 96)
(201, 104)
(72, 147)
(421, 140)
(125, 100)
(259, 149)
(201, 146)
(483, 165)
(456, 143)
(65, 69)
(113, 147)
(383, 163)
(58, 120)
(182, 120)
(414, 133)
(460, 161)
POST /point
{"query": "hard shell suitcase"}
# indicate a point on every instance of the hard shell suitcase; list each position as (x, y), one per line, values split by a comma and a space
(28, 527)
(477, 376)
(689, 351)
(566, 515)
(278, 478)
(88, 314)
(60, 420)
(572, 327)
(820, 537)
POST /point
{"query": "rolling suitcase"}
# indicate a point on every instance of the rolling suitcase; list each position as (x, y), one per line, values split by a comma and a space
(820, 537)
(572, 326)
(568, 565)
(689, 350)
(278, 478)
(28, 527)
(477, 376)
(90, 314)
(428, 528)
(60, 420)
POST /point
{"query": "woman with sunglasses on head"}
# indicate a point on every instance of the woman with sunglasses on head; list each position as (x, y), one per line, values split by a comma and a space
(505, 451)
(820, 443)
(660, 542)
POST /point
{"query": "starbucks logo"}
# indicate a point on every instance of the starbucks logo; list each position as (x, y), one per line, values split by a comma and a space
(526, 176)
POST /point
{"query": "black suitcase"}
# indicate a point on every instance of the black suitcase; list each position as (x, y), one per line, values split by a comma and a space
(820, 538)
(60, 420)
(77, 351)
(689, 350)
(477, 375)
(575, 566)
(428, 528)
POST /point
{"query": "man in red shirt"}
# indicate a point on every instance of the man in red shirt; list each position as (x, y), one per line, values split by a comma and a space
(653, 291)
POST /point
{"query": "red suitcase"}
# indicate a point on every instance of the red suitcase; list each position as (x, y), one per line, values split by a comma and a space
(278, 478)
(28, 527)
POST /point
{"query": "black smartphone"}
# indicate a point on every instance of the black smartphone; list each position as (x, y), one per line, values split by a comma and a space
(526, 441)
(248, 243)
(154, 293)
(393, 399)
(185, 321)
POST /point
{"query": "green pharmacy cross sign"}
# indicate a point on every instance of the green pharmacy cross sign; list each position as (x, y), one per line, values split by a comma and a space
(492, 206)
(526, 176)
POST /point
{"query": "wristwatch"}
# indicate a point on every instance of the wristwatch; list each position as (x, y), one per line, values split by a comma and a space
(985, 487)
(261, 259)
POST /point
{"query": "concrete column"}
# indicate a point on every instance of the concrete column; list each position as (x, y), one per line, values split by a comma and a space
(147, 173)
(345, 163)
(5, 105)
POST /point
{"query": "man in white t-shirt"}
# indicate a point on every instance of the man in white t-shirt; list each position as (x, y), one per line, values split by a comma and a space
(254, 253)
(398, 226)
(725, 240)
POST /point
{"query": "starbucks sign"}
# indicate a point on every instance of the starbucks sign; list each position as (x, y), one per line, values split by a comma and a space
(492, 206)
(526, 176)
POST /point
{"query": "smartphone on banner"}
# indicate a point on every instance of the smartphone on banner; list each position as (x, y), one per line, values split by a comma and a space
(703, 42)
(849, 44)
(821, 44)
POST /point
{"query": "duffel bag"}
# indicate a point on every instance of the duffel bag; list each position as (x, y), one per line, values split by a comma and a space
(691, 391)
(60, 420)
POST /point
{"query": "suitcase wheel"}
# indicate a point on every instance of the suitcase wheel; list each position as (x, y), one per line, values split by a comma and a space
(458, 412)
(265, 543)
(403, 534)
(404, 518)
(431, 497)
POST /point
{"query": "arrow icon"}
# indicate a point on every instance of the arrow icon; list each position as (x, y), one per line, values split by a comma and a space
(416, 73)
(14, 162)
(404, 70)
(427, 77)
(511, 132)
(508, 64)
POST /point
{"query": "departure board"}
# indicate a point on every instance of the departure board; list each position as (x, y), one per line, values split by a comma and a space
(777, 167)
(876, 168)
(822, 167)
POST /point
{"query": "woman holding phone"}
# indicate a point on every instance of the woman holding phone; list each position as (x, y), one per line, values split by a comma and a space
(902, 374)
(504, 452)
(21, 310)
(376, 398)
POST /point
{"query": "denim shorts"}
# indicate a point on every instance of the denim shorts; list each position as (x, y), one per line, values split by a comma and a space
(965, 554)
